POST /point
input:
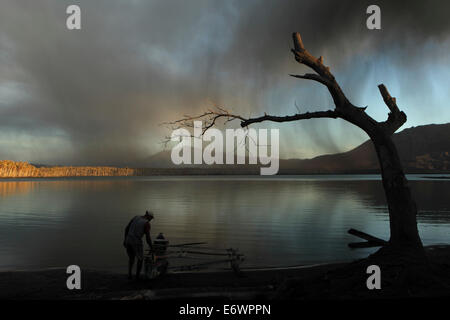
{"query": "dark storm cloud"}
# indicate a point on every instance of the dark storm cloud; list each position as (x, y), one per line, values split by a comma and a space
(104, 89)
(263, 33)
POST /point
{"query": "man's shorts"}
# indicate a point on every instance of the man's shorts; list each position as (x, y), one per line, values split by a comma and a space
(135, 250)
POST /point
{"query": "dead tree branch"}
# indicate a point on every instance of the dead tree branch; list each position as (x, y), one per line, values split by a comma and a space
(396, 118)
(295, 117)
(211, 116)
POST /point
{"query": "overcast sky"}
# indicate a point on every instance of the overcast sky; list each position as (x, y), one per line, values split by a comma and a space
(97, 95)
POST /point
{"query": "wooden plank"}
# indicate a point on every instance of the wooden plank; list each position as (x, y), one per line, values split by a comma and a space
(367, 237)
(187, 244)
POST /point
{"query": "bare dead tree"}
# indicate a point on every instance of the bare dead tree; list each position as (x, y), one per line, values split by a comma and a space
(402, 208)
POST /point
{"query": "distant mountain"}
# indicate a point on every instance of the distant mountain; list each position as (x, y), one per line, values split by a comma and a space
(162, 159)
(158, 160)
(422, 149)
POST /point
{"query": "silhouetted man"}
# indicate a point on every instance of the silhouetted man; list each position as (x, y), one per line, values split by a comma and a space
(135, 230)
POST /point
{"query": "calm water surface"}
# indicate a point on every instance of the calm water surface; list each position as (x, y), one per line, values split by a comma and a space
(274, 221)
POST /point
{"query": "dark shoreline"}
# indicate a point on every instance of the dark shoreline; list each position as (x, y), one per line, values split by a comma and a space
(267, 284)
(50, 284)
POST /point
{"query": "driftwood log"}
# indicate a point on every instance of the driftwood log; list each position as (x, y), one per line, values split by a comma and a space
(371, 240)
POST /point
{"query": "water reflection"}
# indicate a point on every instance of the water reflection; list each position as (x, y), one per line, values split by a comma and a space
(288, 221)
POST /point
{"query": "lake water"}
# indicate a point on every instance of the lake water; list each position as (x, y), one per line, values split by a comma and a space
(274, 221)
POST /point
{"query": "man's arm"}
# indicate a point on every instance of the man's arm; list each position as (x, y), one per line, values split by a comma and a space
(147, 235)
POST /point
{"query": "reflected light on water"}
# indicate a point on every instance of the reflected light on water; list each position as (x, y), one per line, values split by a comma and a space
(283, 221)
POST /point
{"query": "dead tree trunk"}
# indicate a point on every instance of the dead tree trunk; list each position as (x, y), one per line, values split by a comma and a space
(401, 205)
(402, 208)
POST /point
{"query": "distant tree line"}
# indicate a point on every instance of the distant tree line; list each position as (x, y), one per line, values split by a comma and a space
(13, 169)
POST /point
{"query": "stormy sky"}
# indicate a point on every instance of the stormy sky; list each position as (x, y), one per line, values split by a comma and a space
(98, 95)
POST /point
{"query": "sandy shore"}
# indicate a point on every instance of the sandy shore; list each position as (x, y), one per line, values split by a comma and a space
(51, 283)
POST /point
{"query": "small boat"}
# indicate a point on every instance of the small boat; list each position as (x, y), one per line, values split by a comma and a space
(185, 257)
